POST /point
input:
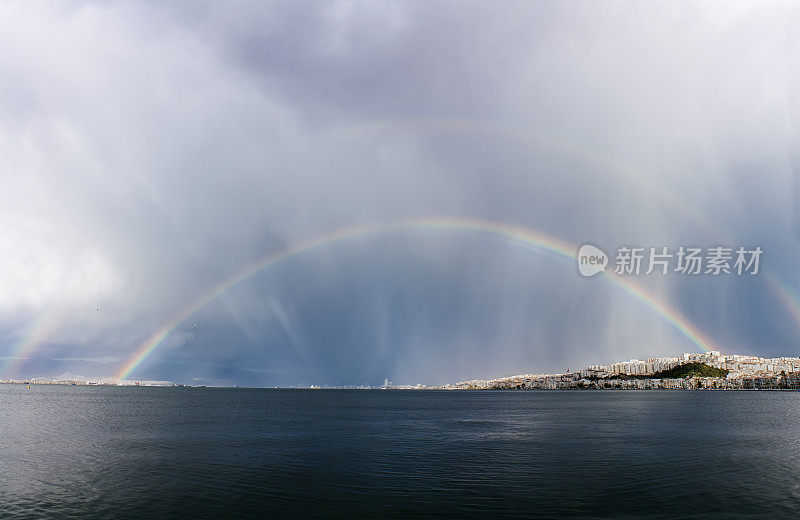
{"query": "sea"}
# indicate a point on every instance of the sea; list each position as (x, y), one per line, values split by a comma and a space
(89, 452)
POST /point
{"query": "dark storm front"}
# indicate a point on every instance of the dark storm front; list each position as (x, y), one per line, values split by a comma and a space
(103, 452)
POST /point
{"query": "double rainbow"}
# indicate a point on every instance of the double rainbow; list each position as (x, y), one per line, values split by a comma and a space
(527, 237)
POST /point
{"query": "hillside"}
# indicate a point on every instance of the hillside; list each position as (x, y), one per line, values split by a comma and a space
(692, 369)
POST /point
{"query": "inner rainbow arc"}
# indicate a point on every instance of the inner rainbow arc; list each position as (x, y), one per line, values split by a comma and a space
(517, 235)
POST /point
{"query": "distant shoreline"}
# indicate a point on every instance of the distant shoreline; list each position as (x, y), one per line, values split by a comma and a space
(404, 389)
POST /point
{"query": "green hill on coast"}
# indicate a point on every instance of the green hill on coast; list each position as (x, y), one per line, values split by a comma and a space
(692, 369)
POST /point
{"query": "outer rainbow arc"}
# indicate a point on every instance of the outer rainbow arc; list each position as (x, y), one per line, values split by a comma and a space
(41, 329)
(788, 297)
(516, 234)
(523, 134)
(476, 127)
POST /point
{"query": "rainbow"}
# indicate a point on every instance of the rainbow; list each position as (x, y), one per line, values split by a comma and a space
(525, 135)
(785, 295)
(38, 332)
(515, 235)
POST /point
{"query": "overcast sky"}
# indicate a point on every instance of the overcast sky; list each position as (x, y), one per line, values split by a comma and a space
(151, 150)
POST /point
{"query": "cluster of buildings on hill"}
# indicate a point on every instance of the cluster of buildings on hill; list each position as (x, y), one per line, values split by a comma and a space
(744, 372)
(737, 365)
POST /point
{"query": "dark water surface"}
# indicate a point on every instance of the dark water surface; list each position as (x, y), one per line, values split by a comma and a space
(107, 452)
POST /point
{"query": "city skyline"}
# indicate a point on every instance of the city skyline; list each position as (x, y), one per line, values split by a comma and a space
(741, 371)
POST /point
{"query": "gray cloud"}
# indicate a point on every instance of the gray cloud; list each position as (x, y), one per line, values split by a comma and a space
(149, 151)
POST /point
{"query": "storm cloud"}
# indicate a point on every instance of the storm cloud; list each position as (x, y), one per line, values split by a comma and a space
(150, 151)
